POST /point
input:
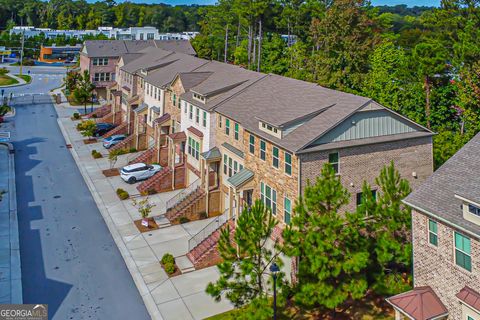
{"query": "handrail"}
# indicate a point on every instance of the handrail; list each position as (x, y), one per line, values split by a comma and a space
(179, 197)
(210, 228)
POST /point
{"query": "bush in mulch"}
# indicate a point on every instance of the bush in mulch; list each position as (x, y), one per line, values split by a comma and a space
(132, 150)
(152, 225)
(122, 194)
(184, 220)
(96, 154)
(168, 264)
(76, 116)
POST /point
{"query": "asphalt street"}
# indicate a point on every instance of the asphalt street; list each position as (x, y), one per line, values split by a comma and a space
(69, 259)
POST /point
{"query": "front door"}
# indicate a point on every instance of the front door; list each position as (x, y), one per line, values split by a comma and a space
(248, 197)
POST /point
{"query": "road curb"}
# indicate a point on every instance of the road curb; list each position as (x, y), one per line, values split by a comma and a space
(148, 300)
(16, 295)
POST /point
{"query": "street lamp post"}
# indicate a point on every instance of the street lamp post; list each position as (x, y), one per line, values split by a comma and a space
(274, 269)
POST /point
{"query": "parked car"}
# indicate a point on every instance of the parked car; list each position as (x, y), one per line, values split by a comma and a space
(138, 171)
(102, 128)
(113, 140)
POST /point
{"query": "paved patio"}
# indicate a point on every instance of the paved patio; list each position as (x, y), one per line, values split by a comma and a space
(180, 297)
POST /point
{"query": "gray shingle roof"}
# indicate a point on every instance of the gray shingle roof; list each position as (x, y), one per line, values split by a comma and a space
(180, 63)
(149, 57)
(232, 149)
(240, 178)
(279, 100)
(458, 176)
(115, 48)
(191, 79)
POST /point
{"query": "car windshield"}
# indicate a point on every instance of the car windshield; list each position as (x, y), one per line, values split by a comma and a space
(108, 139)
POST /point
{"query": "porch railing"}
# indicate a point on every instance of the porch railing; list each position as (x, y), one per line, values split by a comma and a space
(179, 197)
(210, 228)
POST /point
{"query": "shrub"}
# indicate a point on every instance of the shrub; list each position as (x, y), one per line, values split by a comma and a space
(203, 215)
(169, 268)
(184, 220)
(96, 154)
(132, 150)
(76, 116)
(4, 70)
(80, 126)
(94, 115)
(168, 258)
(122, 194)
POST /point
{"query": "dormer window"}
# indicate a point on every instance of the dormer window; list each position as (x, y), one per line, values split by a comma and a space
(199, 97)
(265, 127)
(474, 210)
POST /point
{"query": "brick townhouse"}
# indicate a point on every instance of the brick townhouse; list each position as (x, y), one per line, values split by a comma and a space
(100, 57)
(228, 136)
(446, 242)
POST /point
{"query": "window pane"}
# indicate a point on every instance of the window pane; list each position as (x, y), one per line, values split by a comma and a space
(333, 157)
(433, 239)
(432, 226)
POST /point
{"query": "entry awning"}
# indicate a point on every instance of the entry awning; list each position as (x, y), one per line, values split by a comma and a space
(240, 178)
(421, 303)
(166, 117)
(470, 297)
(212, 154)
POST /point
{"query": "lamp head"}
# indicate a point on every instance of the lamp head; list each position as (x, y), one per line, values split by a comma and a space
(274, 269)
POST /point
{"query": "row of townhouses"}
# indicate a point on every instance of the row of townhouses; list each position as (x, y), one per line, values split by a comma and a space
(227, 136)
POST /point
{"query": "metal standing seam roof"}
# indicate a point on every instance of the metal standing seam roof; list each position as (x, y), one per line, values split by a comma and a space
(421, 303)
(240, 178)
(470, 297)
(456, 177)
(140, 108)
(232, 149)
(212, 154)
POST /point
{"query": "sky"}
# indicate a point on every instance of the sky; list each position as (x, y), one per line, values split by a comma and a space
(410, 3)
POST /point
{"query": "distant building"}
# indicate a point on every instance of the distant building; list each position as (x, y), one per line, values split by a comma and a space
(131, 33)
(4, 53)
(59, 53)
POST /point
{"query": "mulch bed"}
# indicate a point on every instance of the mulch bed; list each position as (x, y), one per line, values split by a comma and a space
(111, 172)
(90, 141)
(176, 273)
(152, 225)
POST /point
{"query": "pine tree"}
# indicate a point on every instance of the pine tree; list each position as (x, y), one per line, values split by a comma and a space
(331, 250)
(244, 270)
(388, 228)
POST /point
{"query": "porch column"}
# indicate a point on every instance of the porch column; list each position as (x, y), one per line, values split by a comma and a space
(230, 202)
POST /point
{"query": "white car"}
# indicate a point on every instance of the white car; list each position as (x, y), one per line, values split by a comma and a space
(138, 171)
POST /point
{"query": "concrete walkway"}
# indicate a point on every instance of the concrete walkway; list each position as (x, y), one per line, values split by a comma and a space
(10, 272)
(180, 297)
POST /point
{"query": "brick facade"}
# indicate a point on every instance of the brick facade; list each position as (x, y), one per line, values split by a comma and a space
(435, 266)
(363, 163)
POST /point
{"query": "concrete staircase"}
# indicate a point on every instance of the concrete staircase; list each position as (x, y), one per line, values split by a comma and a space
(152, 182)
(148, 156)
(121, 129)
(206, 250)
(125, 144)
(192, 204)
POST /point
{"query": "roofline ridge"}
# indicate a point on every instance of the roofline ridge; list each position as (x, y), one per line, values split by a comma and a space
(239, 92)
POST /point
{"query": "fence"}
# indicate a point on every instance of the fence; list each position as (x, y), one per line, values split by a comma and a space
(28, 99)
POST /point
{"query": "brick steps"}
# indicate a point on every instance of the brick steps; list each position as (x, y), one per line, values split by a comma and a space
(125, 144)
(100, 112)
(121, 129)
(207, 249)
(151, 182)
(108, 118)
(148, 156)
(190, 205)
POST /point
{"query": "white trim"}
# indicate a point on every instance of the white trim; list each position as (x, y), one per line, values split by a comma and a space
(466, 200)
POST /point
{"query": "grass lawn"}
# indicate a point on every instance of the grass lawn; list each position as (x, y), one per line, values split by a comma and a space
(369, 309)
(6, 80)
(25, 77)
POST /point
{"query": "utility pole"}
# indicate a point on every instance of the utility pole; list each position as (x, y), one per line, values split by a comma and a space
(21, 52)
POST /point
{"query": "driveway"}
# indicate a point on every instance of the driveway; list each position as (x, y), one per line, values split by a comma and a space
(69, 259)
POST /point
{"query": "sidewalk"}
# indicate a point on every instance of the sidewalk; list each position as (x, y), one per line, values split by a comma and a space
(180, 297)
(10, 272)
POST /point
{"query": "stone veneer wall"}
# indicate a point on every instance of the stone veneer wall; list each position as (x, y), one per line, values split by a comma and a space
(174, 111)
(363, 163)
(435, 266)
(284, 185)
